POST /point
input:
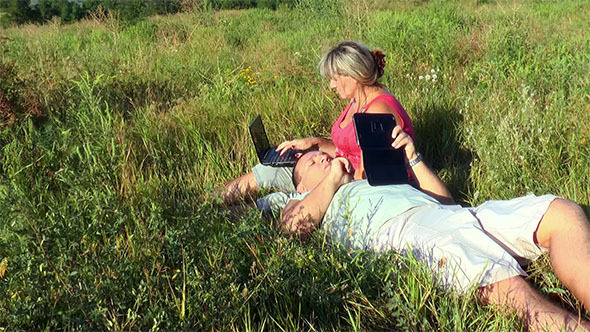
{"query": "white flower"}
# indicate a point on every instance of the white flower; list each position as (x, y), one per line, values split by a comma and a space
(432, 71)
(297, 54)
(434, 76)
(420, 77)
(521, 157)
(427, 77)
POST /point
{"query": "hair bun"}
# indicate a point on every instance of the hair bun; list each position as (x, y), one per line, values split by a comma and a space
(379, 58)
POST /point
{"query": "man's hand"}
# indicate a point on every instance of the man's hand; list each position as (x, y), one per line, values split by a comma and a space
(341, 171)
(302, 217)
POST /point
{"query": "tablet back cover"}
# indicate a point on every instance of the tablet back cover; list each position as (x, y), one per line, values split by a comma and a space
(383, 164)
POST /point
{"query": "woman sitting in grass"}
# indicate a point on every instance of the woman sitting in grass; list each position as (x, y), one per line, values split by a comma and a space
(354, 72)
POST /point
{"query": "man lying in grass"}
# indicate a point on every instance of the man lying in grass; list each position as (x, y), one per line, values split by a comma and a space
(464, 247)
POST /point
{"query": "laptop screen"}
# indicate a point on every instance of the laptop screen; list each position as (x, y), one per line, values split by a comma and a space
(259, 137)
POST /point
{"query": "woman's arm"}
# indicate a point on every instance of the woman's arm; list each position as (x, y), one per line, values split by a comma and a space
(427, 180)
(327, 146)
(320, 144)
(380, 107)
(430, 183)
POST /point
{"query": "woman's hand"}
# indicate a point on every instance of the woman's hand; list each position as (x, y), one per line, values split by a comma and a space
(427, 180)
(402, 140)
(297, 144)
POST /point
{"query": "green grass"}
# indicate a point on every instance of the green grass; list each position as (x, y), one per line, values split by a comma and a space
(104, 221)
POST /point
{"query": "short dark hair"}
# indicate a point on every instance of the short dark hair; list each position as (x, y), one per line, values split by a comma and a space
(296, 177)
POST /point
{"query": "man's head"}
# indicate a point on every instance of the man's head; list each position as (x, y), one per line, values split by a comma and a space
(310, 170)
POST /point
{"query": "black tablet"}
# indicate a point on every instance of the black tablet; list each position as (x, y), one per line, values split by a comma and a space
(383, 164)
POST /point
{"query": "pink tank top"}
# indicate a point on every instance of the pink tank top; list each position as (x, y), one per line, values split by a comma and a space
(345, 138)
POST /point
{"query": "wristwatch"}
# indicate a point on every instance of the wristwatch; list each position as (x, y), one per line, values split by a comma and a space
(415, 161)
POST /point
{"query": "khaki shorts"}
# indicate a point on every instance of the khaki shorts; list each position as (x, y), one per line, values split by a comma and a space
(467, 247)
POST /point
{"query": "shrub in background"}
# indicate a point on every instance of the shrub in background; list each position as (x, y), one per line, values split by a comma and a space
(15, 101)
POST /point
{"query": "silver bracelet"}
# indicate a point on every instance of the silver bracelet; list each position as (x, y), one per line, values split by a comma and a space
(416, 161)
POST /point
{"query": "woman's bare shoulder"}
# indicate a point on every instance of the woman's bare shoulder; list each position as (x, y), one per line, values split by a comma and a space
(380, 106)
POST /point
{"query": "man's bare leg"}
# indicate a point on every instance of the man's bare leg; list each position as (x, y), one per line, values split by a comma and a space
(538, 313)
(566, 232)
(239, 188)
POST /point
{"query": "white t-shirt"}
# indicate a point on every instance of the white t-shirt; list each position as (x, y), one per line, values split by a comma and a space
(451, 240)
(357, 210)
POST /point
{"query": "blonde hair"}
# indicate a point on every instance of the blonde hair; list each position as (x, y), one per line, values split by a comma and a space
(353, 59)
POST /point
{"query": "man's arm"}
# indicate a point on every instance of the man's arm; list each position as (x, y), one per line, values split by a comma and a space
(427, 180)
(302, 217)
(237, 189)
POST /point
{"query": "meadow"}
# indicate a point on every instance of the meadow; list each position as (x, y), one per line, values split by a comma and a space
(114, 134)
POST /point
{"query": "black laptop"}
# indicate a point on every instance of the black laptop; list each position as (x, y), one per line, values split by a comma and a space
(267, 154)
(383, 164)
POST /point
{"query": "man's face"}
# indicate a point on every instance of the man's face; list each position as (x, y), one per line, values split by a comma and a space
(313, 167)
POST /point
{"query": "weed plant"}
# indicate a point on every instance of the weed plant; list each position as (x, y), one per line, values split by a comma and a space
(107, 218)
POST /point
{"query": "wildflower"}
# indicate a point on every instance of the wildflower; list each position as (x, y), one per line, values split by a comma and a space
(4, 266)
(297, 54)
(432, 71)
(434, 76)
(521, 157)
(427, 77)
(420, 77)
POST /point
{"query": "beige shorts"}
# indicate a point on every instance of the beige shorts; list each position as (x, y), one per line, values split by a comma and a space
(467, 247)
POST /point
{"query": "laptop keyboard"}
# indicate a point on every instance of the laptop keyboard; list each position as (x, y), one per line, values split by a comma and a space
(274, 156)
